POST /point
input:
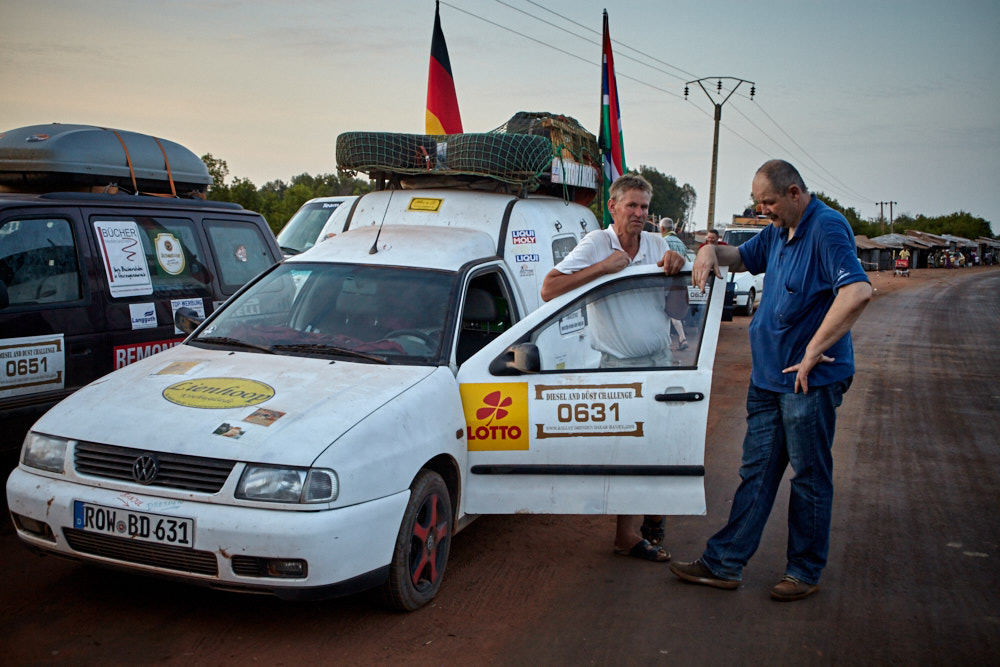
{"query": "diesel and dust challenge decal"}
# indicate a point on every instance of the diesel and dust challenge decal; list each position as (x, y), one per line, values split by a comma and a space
(497, 415)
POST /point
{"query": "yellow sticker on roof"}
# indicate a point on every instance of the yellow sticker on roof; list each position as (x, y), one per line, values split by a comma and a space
(218, 393)
(425, 204)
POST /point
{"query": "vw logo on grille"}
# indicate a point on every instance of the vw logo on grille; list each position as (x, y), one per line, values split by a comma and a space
(145, 468)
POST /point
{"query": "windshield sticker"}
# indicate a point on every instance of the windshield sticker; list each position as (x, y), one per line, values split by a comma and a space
(169, 253)
(695, 295)
(197, 305)
(588, 410)
(177, 368)
(228, 431)
(32, 364)
(241, 253)
(496, 416)
(218, 393)
(263, 416)
(425, 204)
(129, 354)
(143, 315)
(124, 259)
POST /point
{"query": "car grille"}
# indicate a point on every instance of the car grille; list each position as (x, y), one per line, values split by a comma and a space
(162, 556)
(175, 471)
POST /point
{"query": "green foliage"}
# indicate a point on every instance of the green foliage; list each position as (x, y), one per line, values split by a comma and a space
(670, 200)
(959, 223)
(278, 201)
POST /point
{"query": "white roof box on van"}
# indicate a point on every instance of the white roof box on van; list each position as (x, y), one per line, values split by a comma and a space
(46, 158)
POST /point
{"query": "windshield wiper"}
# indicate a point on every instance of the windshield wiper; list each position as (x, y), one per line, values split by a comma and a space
(232, 342)
(329, 349)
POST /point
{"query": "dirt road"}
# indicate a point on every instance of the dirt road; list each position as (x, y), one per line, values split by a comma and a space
(913, 574)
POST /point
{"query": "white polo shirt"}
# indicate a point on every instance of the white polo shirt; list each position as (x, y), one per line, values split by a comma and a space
(630, 324)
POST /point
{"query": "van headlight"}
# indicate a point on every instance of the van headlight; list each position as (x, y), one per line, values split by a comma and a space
(44, 452)
(288, 485)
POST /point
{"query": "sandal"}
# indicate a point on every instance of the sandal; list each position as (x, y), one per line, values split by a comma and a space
(646, 551)
(683, 345)
(654, 531)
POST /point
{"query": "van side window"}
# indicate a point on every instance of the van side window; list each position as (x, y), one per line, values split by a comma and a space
(486, 313)
(240, 252)
(38, 261)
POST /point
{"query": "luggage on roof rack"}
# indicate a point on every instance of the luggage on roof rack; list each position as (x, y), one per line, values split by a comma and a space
(535, 151)
(56, 156)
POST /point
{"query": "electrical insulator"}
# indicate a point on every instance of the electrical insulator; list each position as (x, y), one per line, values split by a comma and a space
(719, 89)
(753, 89)
(685, 92)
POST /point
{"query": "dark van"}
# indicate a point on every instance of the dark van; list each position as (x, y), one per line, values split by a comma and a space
(90, 281)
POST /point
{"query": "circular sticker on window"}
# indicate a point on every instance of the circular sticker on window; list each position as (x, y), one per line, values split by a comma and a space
(218, 393)
(169, 253)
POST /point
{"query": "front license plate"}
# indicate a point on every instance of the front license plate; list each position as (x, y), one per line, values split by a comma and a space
(133, 525)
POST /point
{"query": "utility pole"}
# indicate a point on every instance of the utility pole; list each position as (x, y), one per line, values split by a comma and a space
(715, 140)
(892, 230)
(881, 214)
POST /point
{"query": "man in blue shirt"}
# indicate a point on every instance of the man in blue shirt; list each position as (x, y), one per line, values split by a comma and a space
(803, 362)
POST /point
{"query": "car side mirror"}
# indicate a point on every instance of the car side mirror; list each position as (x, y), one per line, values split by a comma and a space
(187, 320)
(517, 359)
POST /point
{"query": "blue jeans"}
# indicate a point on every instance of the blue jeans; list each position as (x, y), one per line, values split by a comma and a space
(783, 429)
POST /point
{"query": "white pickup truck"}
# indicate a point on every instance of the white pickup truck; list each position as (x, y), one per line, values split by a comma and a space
(748, 287)
(335, 423)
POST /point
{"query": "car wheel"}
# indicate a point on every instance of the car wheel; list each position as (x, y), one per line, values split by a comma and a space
(421, 552)
(751, 297)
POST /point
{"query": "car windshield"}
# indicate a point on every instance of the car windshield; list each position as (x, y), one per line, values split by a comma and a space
(302, 231)
(739, 236)
(370, 313)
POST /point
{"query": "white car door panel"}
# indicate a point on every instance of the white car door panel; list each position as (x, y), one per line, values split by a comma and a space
(560, 427)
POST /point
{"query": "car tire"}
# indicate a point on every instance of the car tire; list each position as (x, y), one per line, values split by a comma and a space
(421, 552)
(749, 308)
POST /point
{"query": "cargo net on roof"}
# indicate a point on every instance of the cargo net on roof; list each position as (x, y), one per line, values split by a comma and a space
(519, 152)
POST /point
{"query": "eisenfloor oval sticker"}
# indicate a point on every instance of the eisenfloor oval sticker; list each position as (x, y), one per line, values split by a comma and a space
(216, 393)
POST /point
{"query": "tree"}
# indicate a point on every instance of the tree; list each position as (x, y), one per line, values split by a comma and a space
(669, 199)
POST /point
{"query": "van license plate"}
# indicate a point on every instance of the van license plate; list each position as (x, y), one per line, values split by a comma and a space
(133, 525)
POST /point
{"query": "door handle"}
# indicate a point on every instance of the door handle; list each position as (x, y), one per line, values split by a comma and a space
(681, 397)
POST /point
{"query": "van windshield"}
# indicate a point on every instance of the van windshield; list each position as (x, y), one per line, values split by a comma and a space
(375, 313)
(302, 231)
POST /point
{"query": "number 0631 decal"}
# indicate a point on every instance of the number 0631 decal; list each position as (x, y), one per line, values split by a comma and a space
(607, 410)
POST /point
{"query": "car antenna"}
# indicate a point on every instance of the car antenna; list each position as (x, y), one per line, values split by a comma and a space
(374, 248)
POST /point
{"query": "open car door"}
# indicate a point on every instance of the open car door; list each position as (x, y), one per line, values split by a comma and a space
(556, 426)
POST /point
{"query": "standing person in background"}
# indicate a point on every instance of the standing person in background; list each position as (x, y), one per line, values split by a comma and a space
(712, 238)
(667, 231)
(610, 250)
(803, 362)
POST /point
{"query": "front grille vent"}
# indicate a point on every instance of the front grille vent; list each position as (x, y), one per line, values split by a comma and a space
(163, 556)
(175, 471)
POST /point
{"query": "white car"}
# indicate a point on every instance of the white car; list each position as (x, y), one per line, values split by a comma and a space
(748, 287)
(308, 226)
(334, 423)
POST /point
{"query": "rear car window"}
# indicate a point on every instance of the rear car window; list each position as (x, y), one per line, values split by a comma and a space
(171, 264)
(38, 261)
(240, 252)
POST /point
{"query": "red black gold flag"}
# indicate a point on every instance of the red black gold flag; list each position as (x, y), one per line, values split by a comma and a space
(442, 115)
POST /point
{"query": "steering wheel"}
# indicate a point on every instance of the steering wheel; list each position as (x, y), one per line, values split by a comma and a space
(425, 338)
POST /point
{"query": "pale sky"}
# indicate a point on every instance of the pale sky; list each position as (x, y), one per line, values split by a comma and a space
(874, 100)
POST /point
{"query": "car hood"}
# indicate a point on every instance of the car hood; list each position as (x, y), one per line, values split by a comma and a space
(230, 405)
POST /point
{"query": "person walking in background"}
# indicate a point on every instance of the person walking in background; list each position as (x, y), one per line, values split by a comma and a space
(669, 234)
(803, 362)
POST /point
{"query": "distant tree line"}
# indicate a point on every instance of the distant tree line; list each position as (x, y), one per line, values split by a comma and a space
(278, 201)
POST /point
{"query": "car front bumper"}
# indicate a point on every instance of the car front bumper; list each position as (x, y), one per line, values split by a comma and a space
(344, 549)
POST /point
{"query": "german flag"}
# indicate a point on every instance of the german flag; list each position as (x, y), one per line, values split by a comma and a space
(442, 103)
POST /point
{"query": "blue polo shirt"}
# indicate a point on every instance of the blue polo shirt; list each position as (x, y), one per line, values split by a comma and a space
(801, 279)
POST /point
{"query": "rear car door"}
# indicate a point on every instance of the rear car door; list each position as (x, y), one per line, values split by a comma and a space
(552, 426)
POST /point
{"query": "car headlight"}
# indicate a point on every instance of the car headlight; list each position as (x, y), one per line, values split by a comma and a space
(288, 485)
(44, 452)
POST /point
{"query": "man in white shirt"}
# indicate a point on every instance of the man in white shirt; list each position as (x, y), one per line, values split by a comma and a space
(635, 331)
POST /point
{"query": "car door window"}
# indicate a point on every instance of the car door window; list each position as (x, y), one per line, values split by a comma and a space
(626, 324)
(39, 261)
(240, 252)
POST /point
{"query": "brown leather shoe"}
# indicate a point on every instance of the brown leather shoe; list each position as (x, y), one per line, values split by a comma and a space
(697, 573)
(790, 589)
